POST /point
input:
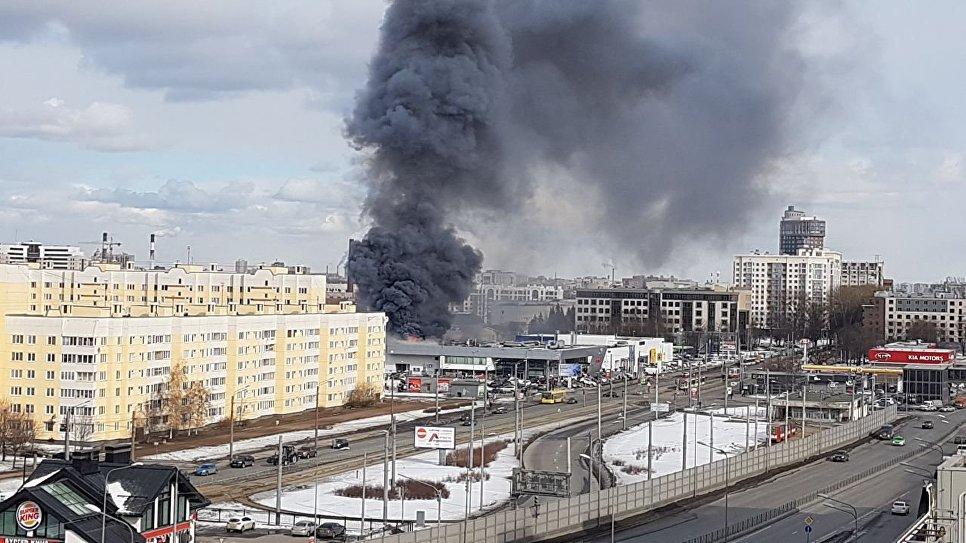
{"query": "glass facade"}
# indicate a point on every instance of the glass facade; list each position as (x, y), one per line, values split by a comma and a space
(926, 384)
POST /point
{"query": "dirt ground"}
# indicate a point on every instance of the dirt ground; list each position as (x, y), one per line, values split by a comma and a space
(217, 434)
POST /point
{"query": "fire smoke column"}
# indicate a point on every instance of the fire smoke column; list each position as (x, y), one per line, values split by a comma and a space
(429, 120)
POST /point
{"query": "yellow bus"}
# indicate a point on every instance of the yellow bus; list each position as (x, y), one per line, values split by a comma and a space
(554, 396)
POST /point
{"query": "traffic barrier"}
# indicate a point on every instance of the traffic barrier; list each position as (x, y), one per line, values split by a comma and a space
(551, 518)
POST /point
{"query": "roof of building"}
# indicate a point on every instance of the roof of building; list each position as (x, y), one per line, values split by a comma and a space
(496, 350)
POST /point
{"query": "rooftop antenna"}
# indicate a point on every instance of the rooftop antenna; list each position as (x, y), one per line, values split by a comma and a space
(189, 254)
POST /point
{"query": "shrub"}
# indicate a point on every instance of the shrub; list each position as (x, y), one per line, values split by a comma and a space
(618, 462)
(411, 490)
(634, 470)
(486, 455)
(474, 476)
(364, 395)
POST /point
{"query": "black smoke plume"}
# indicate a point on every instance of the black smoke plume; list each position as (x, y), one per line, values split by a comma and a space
(664, 113)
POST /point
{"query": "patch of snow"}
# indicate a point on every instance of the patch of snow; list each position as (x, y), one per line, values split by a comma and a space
(628, 450)
(9, 486)
(118, 493)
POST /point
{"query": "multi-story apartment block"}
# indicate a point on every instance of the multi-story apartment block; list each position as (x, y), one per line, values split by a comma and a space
(897, 312)
(54, 257)
(857, 273)
(103, 344)
(796, 231)
(779, 283)
(681, 310)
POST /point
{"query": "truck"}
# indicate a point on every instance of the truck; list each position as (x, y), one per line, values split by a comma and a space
(780, 434)
(289, 456)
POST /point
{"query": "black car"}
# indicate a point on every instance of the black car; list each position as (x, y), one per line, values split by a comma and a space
(927, 425)
(466, 422)
(571, 400)
(242, 461)
(330, 530)
(501, 410)
(340, 443)
(307, 451)
(839, 456)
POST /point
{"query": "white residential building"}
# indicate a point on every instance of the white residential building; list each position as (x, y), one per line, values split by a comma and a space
(858, 273)
(50, 257)
(779, 282)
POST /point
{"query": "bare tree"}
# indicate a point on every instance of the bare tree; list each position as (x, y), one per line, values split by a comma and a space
(22, 433)
(81, 427)
(195, 405)
(923, 330)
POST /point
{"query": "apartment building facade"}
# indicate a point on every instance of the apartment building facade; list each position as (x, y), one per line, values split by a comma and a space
(779, 283)
(898, 312)
(797, 231)
(681, 310)
(102, 345)
(860, 273)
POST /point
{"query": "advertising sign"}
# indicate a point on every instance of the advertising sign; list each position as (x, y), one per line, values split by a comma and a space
(912, 356)
(540, 483)
(415, 384)
(662, 407)
(443, 386)
(29, 516)
(435, 437)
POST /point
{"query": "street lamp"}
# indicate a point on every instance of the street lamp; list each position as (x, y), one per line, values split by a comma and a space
(107, 479)
(854, 512)
(439, 502)
(727, 482)
(590, 465)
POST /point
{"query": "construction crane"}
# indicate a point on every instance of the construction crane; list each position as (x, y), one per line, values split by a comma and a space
(106, 252)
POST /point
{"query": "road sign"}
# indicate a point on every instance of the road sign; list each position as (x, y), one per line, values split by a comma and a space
(809, 521)
(540, 483)
(435, 437)
(808, 529)
(662, 407)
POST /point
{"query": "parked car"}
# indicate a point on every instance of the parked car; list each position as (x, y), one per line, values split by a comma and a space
(571, 400)
(947, 408)
(898, 441)
(206, 469)
(240, 525)
(500, 410)
(307, 451)
(242, 461)
(340, 443)
(928, 407)
(927, 425)
(303, 527)
(839, 456)
(330, 530)
(900, 507)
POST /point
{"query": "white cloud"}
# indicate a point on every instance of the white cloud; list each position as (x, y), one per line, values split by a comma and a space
(100, 126)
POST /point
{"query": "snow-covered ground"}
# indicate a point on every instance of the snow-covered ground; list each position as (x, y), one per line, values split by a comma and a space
(424, 467)
(626, 452)
(245, 445)
(8, 486)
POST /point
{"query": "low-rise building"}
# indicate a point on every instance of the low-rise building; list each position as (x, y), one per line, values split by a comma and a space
(860, 273)
(50, 257)
(900, 312)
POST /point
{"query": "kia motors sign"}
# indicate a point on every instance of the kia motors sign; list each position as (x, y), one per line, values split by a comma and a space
(911, 356)
(435, 437)
(29, 516)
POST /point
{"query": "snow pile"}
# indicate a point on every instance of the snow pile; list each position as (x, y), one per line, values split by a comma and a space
(212, 452)
(626, 453)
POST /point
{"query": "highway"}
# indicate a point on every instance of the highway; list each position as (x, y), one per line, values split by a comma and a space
(870, 496)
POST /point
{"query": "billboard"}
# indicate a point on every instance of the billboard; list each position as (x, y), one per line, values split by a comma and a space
(911, 356)
(415, 384)
(435, 437)
(540, 483)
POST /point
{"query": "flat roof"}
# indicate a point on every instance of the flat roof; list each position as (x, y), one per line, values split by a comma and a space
(534, 352)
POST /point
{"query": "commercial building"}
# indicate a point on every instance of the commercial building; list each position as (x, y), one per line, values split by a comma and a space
(538, 362)
(105, 345)
(52, 257)
(859, 273)
(780, 283)
(928, 372)
(666, 311)
(63, 500)
(796, 231)
(947, 514)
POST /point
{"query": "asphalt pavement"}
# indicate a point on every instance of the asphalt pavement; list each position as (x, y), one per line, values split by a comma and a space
(871, 496)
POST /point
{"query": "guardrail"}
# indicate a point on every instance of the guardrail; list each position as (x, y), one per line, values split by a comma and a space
(560, 517)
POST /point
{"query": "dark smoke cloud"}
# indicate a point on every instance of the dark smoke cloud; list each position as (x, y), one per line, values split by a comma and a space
(665, 114)
(431, 116)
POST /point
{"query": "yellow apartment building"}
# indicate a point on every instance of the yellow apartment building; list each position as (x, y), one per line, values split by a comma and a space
(102, 344)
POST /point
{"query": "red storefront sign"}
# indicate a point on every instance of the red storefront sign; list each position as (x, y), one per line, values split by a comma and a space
(444, 386)
(15, 539)
(415, 384)
(912, 356)
(163, 535)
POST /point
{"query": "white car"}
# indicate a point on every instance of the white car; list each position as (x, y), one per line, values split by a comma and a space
(240, 525)
(304, 527)
(900, 507)
(947, 409)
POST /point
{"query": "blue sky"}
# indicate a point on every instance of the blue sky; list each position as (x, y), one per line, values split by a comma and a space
(219, 125)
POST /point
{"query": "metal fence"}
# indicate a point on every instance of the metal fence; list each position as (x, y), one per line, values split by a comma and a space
(560, 517)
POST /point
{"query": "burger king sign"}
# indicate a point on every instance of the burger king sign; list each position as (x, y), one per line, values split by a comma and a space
(29, 516)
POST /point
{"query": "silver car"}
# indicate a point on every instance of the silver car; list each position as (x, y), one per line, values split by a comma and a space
(304, 527)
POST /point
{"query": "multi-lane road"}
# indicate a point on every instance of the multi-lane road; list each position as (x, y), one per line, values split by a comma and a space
(872, 497)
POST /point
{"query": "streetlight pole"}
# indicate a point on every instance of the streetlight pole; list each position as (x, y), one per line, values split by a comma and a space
(107, 479)
(231, 421)
(439, 501)
(854, 511)
(727, 484)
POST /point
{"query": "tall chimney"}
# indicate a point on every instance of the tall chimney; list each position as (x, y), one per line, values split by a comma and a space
(151, 254)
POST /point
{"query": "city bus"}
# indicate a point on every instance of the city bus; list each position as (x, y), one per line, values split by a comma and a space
(554, 396)
(685, 382)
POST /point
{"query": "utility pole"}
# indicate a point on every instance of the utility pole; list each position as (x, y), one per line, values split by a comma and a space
(392, 428)
(133, 431)
(804, 391)
(231, 430)
(385, 485)
(787, 410)
(317, 389)
(437, 396)
(469, 465)
(67, 433)
(684, 446)
(486, 377)
(756, 425)
(747, 425)
(711, 448)
(362, 519)
(278, 485)
(624, 414)
(517, 434)
(768, 407)
(650, 439)
(599, 427)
